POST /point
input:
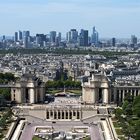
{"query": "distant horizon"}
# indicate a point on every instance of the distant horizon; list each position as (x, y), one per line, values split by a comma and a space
(64, 37)
(64, 34)
(112, 18)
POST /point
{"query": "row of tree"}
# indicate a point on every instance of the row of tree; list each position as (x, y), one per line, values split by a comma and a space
(5, 93)
(129, 117)
(59, 51)
(61, 84)
(7, 77)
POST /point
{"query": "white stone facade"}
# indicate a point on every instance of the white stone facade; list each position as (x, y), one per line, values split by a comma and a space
(96, 90)
(99, 89)
(28, 90)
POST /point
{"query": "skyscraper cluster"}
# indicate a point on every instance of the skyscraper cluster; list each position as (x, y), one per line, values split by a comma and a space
(74, 38)
(83, 38)
(22, 38)
(54, 39)
(26, 40)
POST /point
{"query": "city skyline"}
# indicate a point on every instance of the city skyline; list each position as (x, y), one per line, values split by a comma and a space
(111, 18)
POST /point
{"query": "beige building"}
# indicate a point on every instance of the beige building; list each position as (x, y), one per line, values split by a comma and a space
(59, 112)
(121, 91)
(99, 89)
(29, 89)
(96, 90)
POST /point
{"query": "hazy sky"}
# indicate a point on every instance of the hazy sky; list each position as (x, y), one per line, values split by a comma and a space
(118, 18)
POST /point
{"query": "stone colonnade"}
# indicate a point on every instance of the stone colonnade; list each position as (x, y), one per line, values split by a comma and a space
(121, 93)
(63, 114)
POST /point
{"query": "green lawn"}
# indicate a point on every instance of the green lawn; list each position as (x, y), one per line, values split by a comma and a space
(36, 138)
(54, 91)
(87, 138)
(116, 124)
(58, 91)
(75, 91)
(119, 132)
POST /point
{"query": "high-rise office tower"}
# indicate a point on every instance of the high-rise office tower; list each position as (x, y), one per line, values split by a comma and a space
(25, 42)
(29, 39)
(83, 38)
(47, 37)
(68, 37)
(59, 37)
(20, 35)
(3, 37)
(26, 33)
(16, 37)
(113, 42)
(40, 38)
(52, 36)
(134, 39)
(26, 39)
(72, 36)
(94, 37)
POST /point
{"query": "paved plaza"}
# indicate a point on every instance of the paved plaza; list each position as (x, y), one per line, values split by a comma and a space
(65, 126)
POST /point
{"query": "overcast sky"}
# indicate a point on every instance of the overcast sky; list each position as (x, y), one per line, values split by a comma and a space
(112, 18)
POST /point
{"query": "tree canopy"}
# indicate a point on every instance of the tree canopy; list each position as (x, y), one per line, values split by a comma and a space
(136, 106)
(129, 117)
(5, 78)
(62, 84)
